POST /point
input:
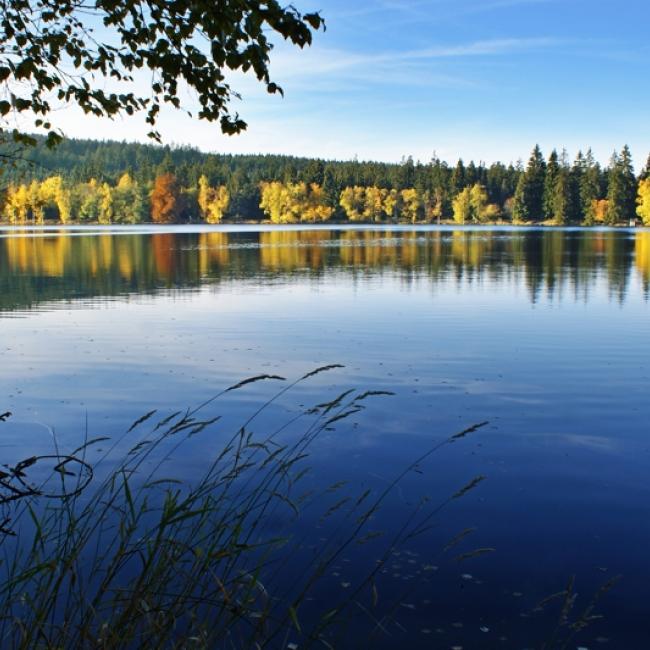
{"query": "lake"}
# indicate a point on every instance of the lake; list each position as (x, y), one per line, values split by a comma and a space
(543, 333)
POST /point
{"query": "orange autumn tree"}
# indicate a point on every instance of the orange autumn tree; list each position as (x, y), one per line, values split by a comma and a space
(166, 204)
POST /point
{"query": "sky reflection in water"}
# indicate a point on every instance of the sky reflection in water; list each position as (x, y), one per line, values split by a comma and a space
(542, 332)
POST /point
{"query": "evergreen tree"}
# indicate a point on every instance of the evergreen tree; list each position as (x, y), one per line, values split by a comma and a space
(621, 195)
(614, 190)
(629, 183)
(519, 210)
(550, 182)
(314, 172)
(457, 183)
(590, 188)
(166, 165)
(575, 183)
(561, 202)
(331, 191)
(529, 197)
(471, 174)
(407, 174)
(96, 175)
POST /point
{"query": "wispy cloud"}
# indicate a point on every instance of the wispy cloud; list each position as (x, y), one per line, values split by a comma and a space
(437, 11)
(505, 4)
(319, 61)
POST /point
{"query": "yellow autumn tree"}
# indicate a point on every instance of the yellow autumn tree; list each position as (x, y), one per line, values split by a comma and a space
(410, 204)
(368, 203)
(643, 201)
(106, 212)
(390, 203)
(17, 203)
(471, 204)
(316, 208)
(213, 201)
(492, 212)
(292, 202)
(88, 200)
(56, 195)
(37, 201)
(478, 198)
(462, 206)
(599, 209)
(62, 200)
(374, 203)
(272, 200)
(353, 200)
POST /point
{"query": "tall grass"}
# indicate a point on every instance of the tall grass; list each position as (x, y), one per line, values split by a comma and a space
(140, 559)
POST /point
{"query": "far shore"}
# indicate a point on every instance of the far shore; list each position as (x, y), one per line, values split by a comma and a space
(449, 223)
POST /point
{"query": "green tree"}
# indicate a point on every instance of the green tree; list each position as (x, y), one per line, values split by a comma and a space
(127, 200)
(590, 190)
(471, 174)
(457, 183)
(189, 44)
(622, 190)
(561, 202)
(529, 196)
(519, 210)
(88, 200)
(331, 191)
(550, 182)
(575, 214)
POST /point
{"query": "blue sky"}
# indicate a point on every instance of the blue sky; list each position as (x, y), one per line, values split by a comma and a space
(479, 79)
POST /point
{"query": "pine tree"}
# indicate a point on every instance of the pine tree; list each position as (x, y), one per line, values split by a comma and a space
(105, 204)
(561, 197)
(331, 190)
(629, 183)
(519, 211)
(590, 189)
(529, 196)
(406, 174)
(550, 181)
(621, 195)
(575, 183)
(471, 174)
(457, 183)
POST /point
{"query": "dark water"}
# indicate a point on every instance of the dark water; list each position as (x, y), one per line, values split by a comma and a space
(543, 333)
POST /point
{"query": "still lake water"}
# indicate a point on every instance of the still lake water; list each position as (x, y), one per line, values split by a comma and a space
(543, 333)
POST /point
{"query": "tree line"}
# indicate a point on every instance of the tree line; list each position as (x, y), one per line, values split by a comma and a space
(110, 182)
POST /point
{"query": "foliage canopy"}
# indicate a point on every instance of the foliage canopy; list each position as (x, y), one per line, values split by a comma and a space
(88, 53)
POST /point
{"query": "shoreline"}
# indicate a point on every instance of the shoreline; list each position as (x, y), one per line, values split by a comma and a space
(330, 225)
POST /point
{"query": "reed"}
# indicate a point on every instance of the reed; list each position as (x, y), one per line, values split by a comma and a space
(138, 559)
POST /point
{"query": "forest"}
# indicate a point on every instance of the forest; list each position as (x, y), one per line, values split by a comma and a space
(117, 182)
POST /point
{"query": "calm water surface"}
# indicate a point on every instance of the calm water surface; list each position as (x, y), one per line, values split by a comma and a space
(543, 333)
